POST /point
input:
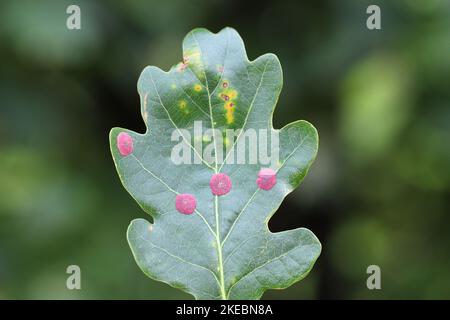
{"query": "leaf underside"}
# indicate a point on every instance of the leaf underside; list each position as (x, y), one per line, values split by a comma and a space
(224, 250)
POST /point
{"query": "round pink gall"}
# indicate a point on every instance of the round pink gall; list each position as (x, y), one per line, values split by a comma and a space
(124, 143)
(267, 178)
(220, 184)
(185, 203)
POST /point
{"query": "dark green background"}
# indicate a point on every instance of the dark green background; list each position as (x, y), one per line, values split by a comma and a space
(378, 193)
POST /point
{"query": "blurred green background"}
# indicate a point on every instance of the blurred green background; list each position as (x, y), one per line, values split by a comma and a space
(378, 193)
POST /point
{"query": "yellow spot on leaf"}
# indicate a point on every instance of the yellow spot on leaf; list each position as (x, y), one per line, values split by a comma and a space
(145, 116)
(197, 138)
(229, 115)
(182, 104)
(144, 108)
(198, 88)
(229, 106)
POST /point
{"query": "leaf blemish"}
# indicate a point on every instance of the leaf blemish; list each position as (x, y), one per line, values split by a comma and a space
(206, 138)
(228, 95)
(124, 144)
(185, 203)
(198, 88)
(267, 178)
(192, 57)
(145, 114)
(220, 184)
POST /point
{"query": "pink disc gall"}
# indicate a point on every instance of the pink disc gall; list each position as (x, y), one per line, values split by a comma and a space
(267, 178)
(124, 144)
(220, 184)
(185, 203)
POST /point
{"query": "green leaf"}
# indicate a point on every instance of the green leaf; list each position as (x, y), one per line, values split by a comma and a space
(224, 250)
